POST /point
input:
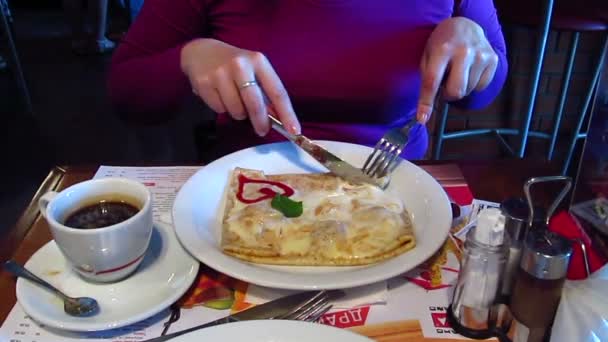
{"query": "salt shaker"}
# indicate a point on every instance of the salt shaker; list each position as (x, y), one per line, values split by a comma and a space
(479, 280)
(538, 285)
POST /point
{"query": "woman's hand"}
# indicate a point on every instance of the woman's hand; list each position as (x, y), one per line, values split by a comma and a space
(458, 55)
(219, 74)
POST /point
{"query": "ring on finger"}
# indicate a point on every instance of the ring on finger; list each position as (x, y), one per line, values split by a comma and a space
(248, 84)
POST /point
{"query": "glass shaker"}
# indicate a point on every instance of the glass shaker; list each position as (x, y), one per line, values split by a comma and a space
(538, 285)
(485, 255)
(516, 212)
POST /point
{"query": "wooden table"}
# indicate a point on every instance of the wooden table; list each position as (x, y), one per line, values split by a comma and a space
(493, 181)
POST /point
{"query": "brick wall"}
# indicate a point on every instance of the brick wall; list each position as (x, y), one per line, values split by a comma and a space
(509, 108)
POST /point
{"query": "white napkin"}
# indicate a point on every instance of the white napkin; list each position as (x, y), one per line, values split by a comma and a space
(470, 213)
(373, 294)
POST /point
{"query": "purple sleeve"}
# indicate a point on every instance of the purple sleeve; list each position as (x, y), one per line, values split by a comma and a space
(483, 13)
(145, 74)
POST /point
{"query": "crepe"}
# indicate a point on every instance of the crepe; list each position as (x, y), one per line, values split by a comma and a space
(341, 223)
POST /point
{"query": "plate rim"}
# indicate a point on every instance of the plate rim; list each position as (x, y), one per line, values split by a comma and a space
(287, 285)
(114, 324)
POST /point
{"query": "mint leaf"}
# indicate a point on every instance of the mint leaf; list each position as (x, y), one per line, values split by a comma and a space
(287, 206)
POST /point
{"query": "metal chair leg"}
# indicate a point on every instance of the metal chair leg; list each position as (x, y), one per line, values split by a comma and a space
(542, 44)
(563, 93)
(588, 97)
(443, 119)
(14, 61)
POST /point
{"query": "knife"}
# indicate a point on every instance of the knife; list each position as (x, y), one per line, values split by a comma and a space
(333, 163)
(270, 310)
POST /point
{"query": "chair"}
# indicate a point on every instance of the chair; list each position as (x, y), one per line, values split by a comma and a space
(545, 16)
(13, 58)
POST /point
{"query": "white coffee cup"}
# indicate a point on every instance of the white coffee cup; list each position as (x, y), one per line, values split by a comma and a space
(103, 254)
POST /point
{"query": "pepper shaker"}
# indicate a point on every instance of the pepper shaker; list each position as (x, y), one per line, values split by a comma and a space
(520, 217)
(538, 285)
(516, 212)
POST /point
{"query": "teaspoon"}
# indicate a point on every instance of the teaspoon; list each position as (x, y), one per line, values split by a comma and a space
(79, 307)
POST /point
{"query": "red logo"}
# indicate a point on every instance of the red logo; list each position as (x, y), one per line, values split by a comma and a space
(346, 318)
(440, 320)
(424, 279)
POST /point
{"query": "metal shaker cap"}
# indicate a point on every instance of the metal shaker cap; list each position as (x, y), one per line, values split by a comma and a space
(546, 255)
(516, 212)
(516, 217)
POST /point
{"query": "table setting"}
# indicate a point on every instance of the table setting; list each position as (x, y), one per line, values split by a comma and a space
(163, 272)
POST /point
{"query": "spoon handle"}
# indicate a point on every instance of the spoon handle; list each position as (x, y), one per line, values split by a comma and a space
(20, 271)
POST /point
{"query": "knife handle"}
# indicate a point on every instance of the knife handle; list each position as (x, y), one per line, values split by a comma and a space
(278, 126)
(185, 331)
(275, 123)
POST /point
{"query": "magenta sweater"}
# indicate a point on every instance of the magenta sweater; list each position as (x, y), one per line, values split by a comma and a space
(351, 67)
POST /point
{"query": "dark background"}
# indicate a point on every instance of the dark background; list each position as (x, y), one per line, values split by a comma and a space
(72, 121)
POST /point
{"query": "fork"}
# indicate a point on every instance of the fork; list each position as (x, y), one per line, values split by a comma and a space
(388, 148)
(309, 311)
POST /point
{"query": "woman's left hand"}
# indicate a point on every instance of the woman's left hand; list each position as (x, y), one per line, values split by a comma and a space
(458, 58)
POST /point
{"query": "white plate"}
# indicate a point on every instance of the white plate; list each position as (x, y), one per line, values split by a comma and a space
(272, 331)
(166, 273)
(199, 206)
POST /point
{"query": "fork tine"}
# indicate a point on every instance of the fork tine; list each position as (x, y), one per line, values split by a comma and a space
(385, 144)
(382, 159)
(388, 164)
(321, 296)
(309, 310)
(387, 155)
(313, 317)
(371, 156)
(316, 297)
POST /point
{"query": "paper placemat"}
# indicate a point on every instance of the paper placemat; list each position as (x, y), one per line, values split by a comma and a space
(411, 306)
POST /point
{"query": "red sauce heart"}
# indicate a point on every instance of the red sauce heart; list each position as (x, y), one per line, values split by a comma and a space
(266, 193)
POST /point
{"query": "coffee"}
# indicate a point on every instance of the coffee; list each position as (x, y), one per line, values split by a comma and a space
(101, 213)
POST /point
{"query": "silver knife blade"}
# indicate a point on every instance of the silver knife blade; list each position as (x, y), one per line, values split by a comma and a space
(268, 310)
(333, 163)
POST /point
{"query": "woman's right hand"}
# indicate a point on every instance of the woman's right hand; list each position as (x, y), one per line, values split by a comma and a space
(217, 71)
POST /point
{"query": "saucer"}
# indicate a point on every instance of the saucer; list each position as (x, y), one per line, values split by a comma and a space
(164, 275)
